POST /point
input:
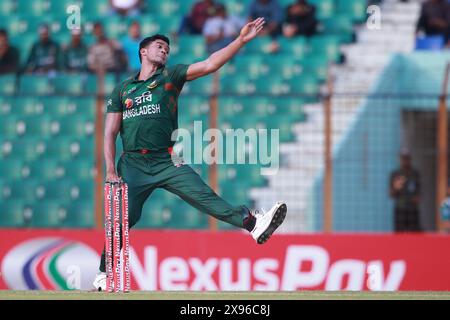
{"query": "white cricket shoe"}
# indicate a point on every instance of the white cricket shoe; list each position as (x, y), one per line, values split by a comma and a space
(100, 281)
(268, 222)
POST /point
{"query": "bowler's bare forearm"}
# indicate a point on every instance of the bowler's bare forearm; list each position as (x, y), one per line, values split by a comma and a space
(112, 128)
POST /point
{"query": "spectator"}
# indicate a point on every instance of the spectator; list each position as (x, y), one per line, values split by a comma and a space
(9, 56)
(300, 19)
(195, 21)
(105, 54)
(130, 45)
(271, 11)
(405, 190)
(434, 19)
(75, 54)
(221, 29)
(44, 55)
(126, 8)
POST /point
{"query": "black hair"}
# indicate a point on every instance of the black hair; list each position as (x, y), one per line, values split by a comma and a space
(146, 41)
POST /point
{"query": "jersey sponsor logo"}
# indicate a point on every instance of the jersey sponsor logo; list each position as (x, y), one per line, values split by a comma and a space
(145, 97)
(109, 103)
(128, 103)
(142, 111)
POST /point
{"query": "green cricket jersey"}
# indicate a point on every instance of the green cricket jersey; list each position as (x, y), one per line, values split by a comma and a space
(149, 108)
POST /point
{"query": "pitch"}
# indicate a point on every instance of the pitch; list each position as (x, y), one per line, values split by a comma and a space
(187, 295)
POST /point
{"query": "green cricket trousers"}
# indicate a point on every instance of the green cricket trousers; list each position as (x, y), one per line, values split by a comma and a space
(144, 172)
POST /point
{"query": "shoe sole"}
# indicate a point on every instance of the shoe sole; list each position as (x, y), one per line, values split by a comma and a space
(277, 220)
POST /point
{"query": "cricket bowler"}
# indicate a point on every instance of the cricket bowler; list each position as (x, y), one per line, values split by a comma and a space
(144, 109)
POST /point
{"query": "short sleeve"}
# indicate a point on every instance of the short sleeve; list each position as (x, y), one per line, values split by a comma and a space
(178, 75)
(114, 104)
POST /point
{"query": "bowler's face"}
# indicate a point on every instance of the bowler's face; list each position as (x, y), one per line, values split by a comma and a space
(157, 52)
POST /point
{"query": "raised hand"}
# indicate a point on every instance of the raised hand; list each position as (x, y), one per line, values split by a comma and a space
(251, 29)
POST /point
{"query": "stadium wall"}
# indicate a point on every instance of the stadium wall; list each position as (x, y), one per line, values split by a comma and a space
(367, 154)
(229, 261)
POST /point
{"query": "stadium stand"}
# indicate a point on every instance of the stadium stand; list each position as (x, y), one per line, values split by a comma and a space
(47, 124)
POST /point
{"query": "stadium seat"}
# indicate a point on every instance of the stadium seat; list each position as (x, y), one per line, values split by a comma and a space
(202, 86)
(7, 84)
(168, 8)
(98, 8)
(78, 125)
(316, 66)
(26, 106)
(340, 25)
(83, 169)
(25, 190)
(259, 45)
(23, 41)
(47, 214)
(326, 45)
(240, 84)
(324, 8)
(33, 7)
(12, 126)
(110, 84)
(35, 85)
(7, 7)
(354, 9)
(69, 148)
(28, 149)
(272, 86)
(304, 85)
(46, 170)
(154, 215)
(16, 26)
(286, 67)
(193, 45)
(79, 214)
(184, 216)
(296, 47)
(44, 126)
(252, 65)
(12, 214)
(72, 84)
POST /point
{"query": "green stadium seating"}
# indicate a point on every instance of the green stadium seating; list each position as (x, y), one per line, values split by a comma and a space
(193, 45)
(79, 214)
(167, 8)
(12, 126)
(7, 84)
(326, 45)
(272, 86)
(316, 66)
(354, 9)
(16, 26)
(295, 48)
(84, 169)
(340, 25)
(304, 85)
(68, 148)
(240, 84)
(25, 190)
(26, 106)
(13, 169)
(47, 214)
(35, 85)
(33, 7)
(44, 126)
(286, 67)
(97, 8)
(110, 84)
(258, 45)
(7, 7)
(72, 84)
(252, 65)
(184, 216)
(78, 125)
(201, 86)
(27, 149)
(12, 214)
(324, 8)
(46, 170)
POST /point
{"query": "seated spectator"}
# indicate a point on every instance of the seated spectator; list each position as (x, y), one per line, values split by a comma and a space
(126, 8)
(75, 54)
(44, 55)
(435, 19)
(9, 56)
(221, 29)
(130, 45)
(300, 19)
(195, 21)
(271, 11)
(105, 54)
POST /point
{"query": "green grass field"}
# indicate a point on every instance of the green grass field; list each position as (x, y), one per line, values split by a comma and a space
(166, 295)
